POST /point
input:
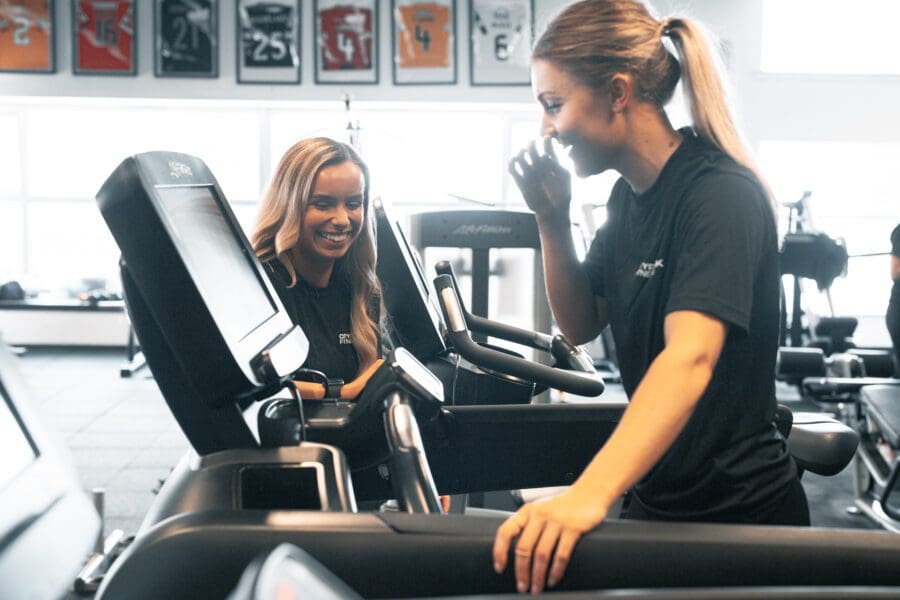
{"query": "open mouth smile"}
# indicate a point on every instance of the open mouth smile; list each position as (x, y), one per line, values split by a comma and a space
(337, 238)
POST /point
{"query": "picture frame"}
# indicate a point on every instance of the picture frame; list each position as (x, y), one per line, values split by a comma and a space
(104, 37)
(346, 41)
(268, 41)
(501, 33)
(423, 42)
(27, 36)
(186, 38)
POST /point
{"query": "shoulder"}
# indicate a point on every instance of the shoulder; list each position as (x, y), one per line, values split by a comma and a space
(728, 192)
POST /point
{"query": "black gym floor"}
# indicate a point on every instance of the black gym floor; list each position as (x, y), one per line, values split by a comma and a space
(123, 438)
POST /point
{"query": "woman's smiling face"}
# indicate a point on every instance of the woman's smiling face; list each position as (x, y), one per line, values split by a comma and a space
(334, 213)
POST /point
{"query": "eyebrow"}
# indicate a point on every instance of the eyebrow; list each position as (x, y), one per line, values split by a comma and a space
(332, 198)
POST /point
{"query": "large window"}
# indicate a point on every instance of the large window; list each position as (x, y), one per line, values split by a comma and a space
(56, 153)
(831, 37)
(854, 197)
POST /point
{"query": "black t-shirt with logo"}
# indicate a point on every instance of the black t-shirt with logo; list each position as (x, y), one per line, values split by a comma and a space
(702, 238)
(324, 316)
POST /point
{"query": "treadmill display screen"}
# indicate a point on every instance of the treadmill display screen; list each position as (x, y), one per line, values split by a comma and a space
(216, 261)
(15, 446)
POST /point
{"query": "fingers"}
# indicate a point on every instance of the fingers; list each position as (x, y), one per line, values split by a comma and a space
(549, 149)
(516, 170)
(533, 152)
(525, 551)
(564, 550)
(542, 554)
(510, 529)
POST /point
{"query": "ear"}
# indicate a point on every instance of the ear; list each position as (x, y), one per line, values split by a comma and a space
(621, 91)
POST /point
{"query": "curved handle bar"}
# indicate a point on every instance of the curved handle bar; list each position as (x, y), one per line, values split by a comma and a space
(574, 357)
(458, 334)
(532, 339)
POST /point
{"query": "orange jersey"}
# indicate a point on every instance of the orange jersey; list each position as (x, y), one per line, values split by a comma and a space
(25, 35)
(424, 39)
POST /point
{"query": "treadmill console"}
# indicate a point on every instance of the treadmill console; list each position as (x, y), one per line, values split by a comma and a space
(210, 324)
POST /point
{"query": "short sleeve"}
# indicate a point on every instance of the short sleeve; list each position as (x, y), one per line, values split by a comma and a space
(895, 242)
(594, 262)
(724, 228)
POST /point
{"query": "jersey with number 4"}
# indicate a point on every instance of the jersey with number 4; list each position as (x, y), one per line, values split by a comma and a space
(346, 38)
(424, 35)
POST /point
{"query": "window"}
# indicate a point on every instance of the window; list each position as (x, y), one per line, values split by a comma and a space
(10, 165)
(12, 257)
(435, 157)
(854, 197)
(831, 37)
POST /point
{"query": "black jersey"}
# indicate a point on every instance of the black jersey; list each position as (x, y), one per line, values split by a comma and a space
(702, 238)
(324, 316)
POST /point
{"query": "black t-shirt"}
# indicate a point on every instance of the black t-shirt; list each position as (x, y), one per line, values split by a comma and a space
(895, 251)
(702, 238)
(324, 316)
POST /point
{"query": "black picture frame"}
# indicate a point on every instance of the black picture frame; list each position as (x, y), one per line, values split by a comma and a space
(362, 38)
(491, 34)
(429, 70)
(18, 25)
(268, 41)
(186, 38)
(106, 29)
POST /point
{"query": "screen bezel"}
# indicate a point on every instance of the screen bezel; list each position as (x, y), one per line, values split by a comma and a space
(236, 235)
(168, 169)
(425, 342)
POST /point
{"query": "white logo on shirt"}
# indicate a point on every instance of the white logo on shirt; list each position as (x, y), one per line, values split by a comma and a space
(344, 338)
(648, 270)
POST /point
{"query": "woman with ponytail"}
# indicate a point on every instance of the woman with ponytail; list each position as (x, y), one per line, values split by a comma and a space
(315, 238)
(684, 271)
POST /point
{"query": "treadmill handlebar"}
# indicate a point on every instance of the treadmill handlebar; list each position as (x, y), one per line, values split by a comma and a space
(458, 334)
(532, 339)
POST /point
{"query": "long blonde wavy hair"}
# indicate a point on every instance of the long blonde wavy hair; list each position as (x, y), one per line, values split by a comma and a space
(281, 217)
(593, 39)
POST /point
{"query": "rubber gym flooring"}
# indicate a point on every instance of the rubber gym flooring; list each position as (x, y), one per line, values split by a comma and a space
(123, 438)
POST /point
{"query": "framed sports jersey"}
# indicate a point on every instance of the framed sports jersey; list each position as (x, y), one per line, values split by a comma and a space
(186, 38)
(424, 41)
(500, 44)
(27, 35)
(268, 35)
(346, 41)
(104, 37)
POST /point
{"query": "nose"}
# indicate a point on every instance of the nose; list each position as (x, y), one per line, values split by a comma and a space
(341, 216)
(547, 129)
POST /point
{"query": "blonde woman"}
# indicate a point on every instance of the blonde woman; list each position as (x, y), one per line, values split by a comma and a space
(684, 271)
(315, 238)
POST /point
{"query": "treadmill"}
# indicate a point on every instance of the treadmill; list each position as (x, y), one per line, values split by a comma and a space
(219, 345)
(48, 526)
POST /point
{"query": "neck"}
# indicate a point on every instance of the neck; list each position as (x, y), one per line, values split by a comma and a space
(316, 273)
(651, 142)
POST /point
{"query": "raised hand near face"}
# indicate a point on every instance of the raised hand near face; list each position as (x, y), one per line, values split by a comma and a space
(544, 183)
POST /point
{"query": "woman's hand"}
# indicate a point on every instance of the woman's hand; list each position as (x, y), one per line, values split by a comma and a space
(544, 183)
(547, 529)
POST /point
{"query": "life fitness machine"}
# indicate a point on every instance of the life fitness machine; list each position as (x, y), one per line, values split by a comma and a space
(221, 348)
(472, 372)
